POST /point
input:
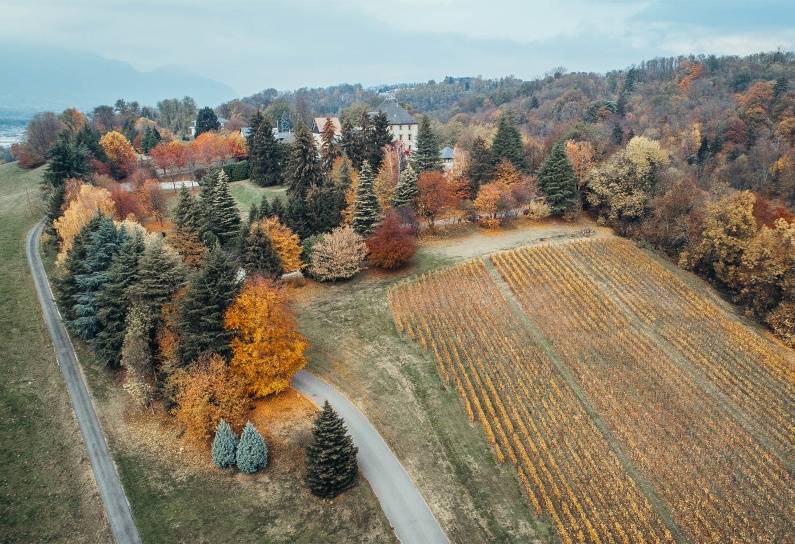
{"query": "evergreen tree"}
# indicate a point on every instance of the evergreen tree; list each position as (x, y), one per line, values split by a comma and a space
(366, 210)
(159, 275)
(507, 144)
(187, 215)
(345, 180)
(296, 217)
(206, 120)
(150, 139)
(100, 251)
(252, 451)
(329, 149)
(66, 285)
(406, 191)
(88, 137)
(558, 181)
(617, 135)
(224, 446)
(253, 125)
(113, 302)
(303, 170)
(378, 137)
(253, 213)
(351, 142)
(67, 160)
(323, 208)
(264, 155)
(201, 312)
(259, 256)
(264, 208)
(331, 466)
(277, 208)
(55, 202)
(482, 167)
(426, 157)
(226, 216)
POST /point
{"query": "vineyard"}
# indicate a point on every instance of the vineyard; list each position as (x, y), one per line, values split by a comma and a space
(632, 408)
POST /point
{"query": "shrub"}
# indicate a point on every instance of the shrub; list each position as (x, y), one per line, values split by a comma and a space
(224, 446)
(252, 451)
(538, 209)
(392, 244)
(338, 255)
(237, 171)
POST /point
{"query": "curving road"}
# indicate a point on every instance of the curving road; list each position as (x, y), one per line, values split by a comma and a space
(110, 488)
(402, 503)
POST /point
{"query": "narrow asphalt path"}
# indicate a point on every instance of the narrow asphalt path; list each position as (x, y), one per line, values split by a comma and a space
(110, 488)
(400, 499)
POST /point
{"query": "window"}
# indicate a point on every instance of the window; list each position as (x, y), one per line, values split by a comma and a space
(409, 136)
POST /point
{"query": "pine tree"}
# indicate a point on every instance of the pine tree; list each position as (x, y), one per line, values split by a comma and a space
(558, 181)
(345, 180)
(252, 451)
(206, 120)
(426, 157)
(55, 204)
(277, 208)
(329, 149)
(150, 139)
(264, 208)
(366, 210)
(331, 465)
(201, 312)
(186, 215)
(113, 302)
(406, 191)
(224, 446)
(378, 137)
(264, 155)
(225, 213)
(66, 285)
(159, 275)
(99, 253)
(67, 160)
(303, 170)
(351, 142)
(323, 208)
(259, 255)
(507, 144)
(482, 167)
(253, 125)
(253, 213)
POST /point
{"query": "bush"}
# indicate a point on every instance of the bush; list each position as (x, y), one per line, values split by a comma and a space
(338, 255)
(224, 446)
(538, 209)
(252, 452)
(392, 244)
(237, 171)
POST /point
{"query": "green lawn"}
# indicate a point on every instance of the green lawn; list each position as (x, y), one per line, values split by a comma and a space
(246, 194)
(47, 492)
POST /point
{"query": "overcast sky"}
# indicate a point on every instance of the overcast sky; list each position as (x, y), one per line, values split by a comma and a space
(254, 44)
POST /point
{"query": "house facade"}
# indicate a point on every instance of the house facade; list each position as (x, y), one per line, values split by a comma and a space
(402, 125)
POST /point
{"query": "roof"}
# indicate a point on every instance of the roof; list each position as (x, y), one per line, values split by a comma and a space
(285, 136)
(320, 124)
(395, 113)
(446, 153)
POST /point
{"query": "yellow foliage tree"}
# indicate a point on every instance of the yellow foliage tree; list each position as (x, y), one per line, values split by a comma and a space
(581, 157)
(89, 201)
(266, 349)
(507, 174)
(285, 242)
(205, 393)
(120, 153)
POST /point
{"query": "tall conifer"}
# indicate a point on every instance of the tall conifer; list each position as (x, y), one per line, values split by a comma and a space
(366, 210)
(331, 465)
(558, 181)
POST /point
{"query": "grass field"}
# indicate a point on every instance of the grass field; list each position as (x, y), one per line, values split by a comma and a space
(632, 406)
(47, 492)
(246, 193)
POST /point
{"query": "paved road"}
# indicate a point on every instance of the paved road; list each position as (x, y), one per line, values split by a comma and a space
(110, 488)
(402, 503)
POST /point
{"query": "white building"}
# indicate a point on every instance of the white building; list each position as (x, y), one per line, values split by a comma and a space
(402, 125)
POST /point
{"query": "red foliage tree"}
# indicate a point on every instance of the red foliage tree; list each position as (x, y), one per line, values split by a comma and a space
(435, 195)
(392, 244)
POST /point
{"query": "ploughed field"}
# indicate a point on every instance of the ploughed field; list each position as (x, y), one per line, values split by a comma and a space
(632, 407)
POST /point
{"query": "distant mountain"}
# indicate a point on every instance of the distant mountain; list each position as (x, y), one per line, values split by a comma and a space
(37, 79)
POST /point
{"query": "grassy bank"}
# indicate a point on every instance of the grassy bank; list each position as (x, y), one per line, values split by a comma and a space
(47, 491)
(246, 193)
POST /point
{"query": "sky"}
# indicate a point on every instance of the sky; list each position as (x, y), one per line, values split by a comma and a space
(255, 44)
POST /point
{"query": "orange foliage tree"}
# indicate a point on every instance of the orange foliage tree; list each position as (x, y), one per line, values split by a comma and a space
(392, 244)
(435, 195)
(88, 201)
(581, 157)
(170, 155)
(267, 350)
(120, 153)
(205, 393)
(286, 243)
